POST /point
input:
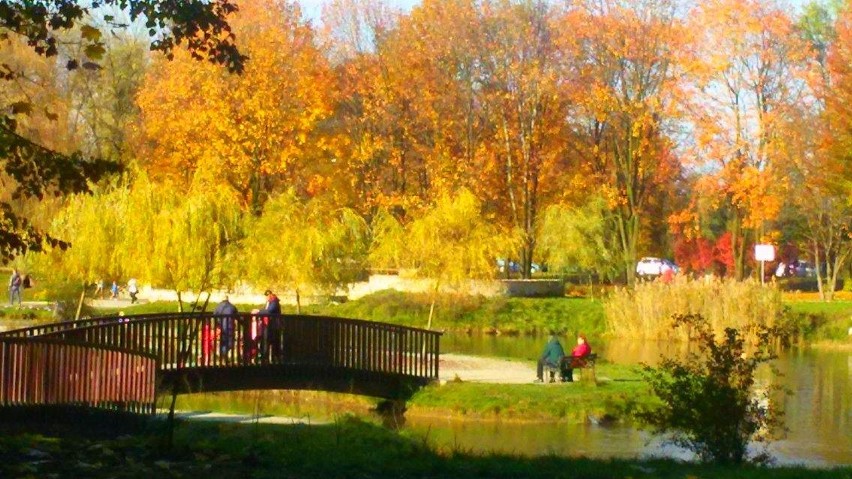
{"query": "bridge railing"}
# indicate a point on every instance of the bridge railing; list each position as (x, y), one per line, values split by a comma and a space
(41, 371)
(202, 340)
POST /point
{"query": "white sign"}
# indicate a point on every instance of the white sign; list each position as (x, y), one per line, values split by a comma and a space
(764, 252)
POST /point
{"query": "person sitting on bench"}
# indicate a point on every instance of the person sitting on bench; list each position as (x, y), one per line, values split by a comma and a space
(551, 357)
(576, 360)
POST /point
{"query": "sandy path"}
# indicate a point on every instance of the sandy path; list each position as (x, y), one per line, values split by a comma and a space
(485, 370)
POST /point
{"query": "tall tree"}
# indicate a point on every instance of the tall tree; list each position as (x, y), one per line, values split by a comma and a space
(626, 85)
(36, 170)
(305, 247)
(747, 83)
(256, 132)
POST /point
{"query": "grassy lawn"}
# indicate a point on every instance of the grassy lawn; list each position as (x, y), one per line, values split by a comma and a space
(819, 321)
(345, 449)
(618, 392)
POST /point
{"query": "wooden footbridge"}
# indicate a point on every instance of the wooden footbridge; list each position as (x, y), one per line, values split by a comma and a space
(123, 363)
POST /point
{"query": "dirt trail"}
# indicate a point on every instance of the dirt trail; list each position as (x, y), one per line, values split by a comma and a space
(485, 370)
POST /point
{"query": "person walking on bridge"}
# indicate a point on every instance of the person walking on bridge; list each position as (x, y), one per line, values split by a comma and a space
(225, 313)
(268, 328)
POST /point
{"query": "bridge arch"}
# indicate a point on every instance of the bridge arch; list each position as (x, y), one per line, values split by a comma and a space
(202, 352)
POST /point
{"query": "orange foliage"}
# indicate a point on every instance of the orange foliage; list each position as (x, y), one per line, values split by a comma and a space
(256, 131)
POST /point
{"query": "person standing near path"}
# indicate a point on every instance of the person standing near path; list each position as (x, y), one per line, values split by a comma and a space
(113, 290)
(132, 289)
(15, 287)
(268, 329)
(551, 356)
(225, 313)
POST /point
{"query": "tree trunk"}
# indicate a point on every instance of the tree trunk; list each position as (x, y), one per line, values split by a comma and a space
(820, 286)
(79, 304)
(298, 302)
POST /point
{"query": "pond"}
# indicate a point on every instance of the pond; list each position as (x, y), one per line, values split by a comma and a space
(818, 412)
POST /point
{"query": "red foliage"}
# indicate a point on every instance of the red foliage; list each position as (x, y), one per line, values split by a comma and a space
(723, 255)
(702, 255)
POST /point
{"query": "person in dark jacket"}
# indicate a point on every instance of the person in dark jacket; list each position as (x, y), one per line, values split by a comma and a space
(551, 356)
(273, 304)
(225, 317)
(269, 330)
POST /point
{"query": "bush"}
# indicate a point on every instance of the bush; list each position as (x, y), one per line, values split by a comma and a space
(645, 310)
(708, 403)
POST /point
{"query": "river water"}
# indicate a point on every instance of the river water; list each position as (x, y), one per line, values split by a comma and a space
(818, 410)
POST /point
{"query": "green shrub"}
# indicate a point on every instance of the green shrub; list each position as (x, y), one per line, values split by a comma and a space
(645, 311)
(709, 404)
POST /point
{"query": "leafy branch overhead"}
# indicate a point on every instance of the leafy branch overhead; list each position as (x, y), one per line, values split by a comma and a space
(41, 26)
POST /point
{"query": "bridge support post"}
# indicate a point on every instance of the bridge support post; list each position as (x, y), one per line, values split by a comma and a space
(392, 412)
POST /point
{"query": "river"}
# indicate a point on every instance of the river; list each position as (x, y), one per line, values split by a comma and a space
(818, 410)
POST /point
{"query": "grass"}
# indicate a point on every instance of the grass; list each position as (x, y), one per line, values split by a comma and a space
(612, 399)
(347, 448)
(618, 393)
(475, 313)
(819, 321)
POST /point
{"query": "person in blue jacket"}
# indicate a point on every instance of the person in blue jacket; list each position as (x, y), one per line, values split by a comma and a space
(551, 356)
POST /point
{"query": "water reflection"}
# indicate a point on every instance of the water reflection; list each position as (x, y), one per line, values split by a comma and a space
(818, 410)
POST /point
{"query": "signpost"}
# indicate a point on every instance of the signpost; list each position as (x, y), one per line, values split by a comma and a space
(764, 253)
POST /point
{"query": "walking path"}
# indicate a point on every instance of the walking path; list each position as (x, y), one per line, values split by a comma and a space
(485, 370)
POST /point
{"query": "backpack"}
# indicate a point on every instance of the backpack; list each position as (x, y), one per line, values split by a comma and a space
(27, 282)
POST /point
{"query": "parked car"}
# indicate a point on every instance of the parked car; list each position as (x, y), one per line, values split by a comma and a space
(516, 267)
(650, 267)
(796, 269)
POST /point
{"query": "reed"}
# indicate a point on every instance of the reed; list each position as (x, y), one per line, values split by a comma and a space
(645, 311)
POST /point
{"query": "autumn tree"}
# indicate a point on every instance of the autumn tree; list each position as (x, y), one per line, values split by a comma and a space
(746, 85)
(35, 169)
(625, 80)
(256, 132)
(824, 168)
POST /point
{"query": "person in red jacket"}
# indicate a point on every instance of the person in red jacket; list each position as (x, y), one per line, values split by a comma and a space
(577, 358)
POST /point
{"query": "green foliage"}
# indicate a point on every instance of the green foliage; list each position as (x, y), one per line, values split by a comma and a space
(709, 403)
(572, 239)
(450, 243)
(194, 239)
(815, 321)
(644, 311)
(305, 246)
(475, 313)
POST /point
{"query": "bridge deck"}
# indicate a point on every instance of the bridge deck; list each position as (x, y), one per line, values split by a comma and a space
(202, 352)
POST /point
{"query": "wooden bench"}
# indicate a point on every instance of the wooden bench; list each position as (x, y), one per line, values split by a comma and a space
(586, 365)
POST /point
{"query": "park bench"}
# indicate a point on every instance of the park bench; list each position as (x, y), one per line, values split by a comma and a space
(586, 365)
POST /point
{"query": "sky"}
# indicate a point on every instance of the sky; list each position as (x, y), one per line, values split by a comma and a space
(313, 8)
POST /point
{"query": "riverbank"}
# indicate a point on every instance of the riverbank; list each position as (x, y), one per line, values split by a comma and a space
(470, 389)
(346, 448)
(811, 321)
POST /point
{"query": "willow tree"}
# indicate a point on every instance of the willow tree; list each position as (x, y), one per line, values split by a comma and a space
(35, 169)
(450, 244)
(574, 237)
(304, 246)
(193, 240)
